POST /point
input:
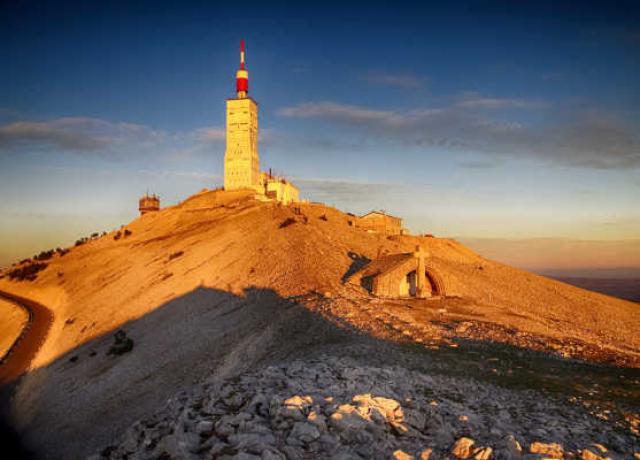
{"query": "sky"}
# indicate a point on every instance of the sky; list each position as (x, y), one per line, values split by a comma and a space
(512, 127)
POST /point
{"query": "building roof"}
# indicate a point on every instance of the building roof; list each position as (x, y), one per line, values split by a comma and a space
(386, 264)
(379, 213)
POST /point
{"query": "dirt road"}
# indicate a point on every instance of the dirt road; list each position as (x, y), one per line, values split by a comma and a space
(17, 360)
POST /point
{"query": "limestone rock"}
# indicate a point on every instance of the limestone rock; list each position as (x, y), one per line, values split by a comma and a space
(426, 454)
(269, 454)
(401, 455)
(347, 418)
(512, 446)
(588, 454)
(463, 448)
(305, 432)
(252, 442)
(204, 427)
(552, 450)
(319, 420)
(483, 453)
(329, 407)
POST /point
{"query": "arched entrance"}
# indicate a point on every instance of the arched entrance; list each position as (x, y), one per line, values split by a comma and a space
(409, 284)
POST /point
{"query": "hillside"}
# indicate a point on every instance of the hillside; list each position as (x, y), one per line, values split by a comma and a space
(222, 284)
(14, 319)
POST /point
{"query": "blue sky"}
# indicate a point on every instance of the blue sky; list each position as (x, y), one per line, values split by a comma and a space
(480, 120)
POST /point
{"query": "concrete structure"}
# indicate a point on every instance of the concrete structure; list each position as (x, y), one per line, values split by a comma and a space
(241, 159)
(402, 275)
(279, 189)
(380, 222)
(148, 203)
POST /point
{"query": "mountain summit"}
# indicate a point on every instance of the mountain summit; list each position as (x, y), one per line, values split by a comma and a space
(224, 284)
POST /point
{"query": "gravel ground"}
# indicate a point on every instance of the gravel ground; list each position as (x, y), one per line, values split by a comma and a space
(327, 406)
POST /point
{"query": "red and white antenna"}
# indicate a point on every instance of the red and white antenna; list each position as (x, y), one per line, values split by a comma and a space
(242, 76)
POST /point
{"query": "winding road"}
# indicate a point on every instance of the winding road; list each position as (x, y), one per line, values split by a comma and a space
(17, 360)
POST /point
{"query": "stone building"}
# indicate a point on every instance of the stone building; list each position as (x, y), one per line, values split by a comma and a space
(279, 189)
(402, 275)
(148, 203)
(380, 222)
(241, 159)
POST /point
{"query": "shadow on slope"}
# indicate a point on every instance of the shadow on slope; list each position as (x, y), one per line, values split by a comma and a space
(86, 399)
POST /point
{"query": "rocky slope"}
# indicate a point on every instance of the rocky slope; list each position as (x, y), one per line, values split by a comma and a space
(330, 407)
(219, 285)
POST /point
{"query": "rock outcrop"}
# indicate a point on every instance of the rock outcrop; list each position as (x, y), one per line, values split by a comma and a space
(329, 407)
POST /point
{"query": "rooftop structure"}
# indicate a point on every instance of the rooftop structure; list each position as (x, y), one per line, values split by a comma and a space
(280, 189)
(148, 203)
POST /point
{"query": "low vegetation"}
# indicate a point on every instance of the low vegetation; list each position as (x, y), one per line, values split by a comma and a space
(45, 255)
(27, 272)
(288, 221)
(120, 234)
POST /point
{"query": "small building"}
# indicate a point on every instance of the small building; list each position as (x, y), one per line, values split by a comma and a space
(279, 189)
(402, 275)
(148, 203)
(380, 222)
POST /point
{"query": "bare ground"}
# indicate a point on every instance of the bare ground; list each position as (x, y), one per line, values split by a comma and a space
(213, 288)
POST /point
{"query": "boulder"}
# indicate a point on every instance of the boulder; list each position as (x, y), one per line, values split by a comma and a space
(204, 427)
(588, 454)
(463, 448)
(254, 443)
(426, 454)
(483, 453)
(303, 432)
(401, 455)
(550, 450)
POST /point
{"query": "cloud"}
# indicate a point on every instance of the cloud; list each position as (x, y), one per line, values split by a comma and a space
(340, 112)
(211, 135)
(585, 138)
(76, 134)
(344, 191)
(404, 81)
(480, 164)
(476, 100)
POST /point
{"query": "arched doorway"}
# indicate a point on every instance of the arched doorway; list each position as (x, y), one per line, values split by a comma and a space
(409, 284)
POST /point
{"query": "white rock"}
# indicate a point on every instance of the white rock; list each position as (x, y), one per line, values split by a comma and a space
(463, 448)
(204, 427)
(305, 432)
(551, 450)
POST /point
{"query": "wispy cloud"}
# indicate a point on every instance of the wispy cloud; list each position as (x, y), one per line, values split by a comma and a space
(340, 112)
(211, 135)
(404, 81)
(586, 138)
(76, 134)
(480, 164)
(109, 139)
(345, 191)
(476, 100)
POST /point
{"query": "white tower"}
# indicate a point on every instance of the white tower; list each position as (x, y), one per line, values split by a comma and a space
(241, 162)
